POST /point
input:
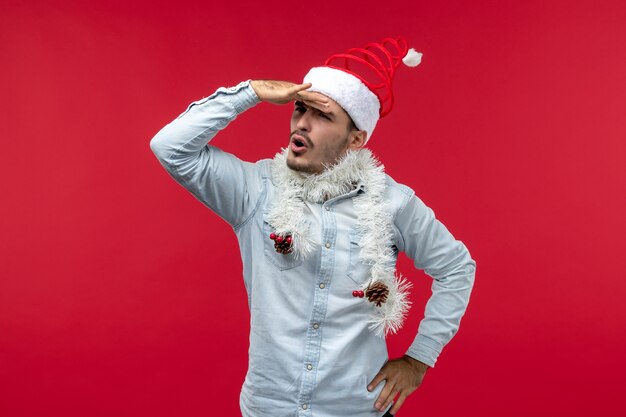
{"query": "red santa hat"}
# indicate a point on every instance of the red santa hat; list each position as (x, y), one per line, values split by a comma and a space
(360, 80)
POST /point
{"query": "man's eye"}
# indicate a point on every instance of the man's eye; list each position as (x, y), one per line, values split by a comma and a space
(325, 116)
(300, 109)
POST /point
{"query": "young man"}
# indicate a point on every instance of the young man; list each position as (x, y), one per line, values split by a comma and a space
(320, 226)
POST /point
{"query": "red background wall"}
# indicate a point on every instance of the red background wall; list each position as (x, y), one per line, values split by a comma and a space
(121, 295)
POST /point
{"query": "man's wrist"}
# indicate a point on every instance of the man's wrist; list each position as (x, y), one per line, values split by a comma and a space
(425, 350)
(252, 85)
(419, 365)
(241, 96)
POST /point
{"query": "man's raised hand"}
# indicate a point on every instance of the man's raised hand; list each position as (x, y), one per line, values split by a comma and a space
(282, 92)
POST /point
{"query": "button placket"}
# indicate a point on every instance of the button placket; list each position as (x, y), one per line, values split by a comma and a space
(320, 304)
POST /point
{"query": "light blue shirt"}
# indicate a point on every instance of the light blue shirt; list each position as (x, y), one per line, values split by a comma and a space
(311, 351)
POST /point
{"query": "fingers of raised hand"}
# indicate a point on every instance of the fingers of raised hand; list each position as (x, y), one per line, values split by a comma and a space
(278, 92)
(314, 99)
(297, 88)
(324, 108)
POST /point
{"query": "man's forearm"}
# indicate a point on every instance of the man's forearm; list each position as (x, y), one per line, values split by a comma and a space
(189, 133)
(180, 142)
(443, 313)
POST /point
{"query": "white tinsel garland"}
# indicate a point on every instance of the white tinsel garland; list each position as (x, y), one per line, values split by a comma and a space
(374, 223)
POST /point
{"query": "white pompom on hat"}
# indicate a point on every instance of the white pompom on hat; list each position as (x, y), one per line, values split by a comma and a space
(360, 80)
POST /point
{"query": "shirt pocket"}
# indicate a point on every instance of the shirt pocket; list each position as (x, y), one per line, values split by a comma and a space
(358, 271)
(280, 261)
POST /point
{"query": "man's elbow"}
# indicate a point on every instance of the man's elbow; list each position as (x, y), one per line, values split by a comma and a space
(468, 266)
(159, 147)
(459, 272)
(471, 268)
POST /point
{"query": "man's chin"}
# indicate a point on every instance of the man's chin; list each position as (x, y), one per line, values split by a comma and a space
(298, 163)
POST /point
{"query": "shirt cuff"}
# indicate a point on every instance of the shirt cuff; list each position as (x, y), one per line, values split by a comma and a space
(425, 350)
(242, 96)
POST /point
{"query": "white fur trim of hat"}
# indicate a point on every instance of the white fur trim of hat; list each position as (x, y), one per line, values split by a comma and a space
(350, 93)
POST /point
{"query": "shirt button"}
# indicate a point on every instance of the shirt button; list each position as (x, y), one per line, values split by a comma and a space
(327, 208)
(316, 326)
(309, 367)
(304, 406)
(322, 286)
(327, 245)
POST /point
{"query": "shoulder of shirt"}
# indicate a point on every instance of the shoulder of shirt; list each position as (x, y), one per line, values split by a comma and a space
(396, 190)
(264, 166)
(399, 195)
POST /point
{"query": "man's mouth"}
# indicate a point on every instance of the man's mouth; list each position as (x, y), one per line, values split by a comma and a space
(298, 143)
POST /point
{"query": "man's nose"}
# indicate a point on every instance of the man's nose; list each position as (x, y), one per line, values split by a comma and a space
(304, 122)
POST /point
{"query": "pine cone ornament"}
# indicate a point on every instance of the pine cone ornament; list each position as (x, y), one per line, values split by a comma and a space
(377, 293)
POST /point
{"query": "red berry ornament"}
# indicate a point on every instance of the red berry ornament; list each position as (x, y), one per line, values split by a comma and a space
(282, 244)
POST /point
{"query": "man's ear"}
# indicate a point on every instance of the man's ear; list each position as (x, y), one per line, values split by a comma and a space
(357, 139)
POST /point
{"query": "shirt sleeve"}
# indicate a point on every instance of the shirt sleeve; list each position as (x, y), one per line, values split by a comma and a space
(434, 250)
(221, 181)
